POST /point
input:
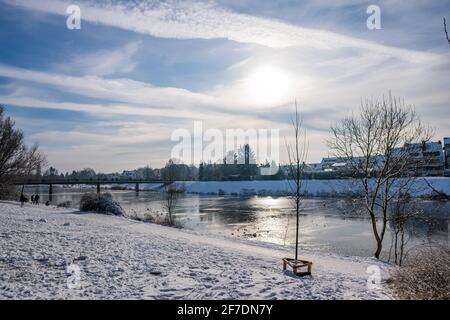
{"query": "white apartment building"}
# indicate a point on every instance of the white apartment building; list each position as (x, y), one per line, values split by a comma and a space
(447, 156)
(429, 158)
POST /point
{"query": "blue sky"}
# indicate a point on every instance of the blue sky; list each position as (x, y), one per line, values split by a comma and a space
(109, 96)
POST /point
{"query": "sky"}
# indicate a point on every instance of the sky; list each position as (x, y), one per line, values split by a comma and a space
(110, 95)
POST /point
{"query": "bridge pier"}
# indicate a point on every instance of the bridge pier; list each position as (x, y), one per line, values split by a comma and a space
(98, 187)
(136, 187)
(50, 192)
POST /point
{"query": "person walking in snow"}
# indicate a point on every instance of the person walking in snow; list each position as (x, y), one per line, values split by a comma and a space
(36, 199)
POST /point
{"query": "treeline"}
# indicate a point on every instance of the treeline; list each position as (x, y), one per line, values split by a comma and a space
(90, 174)
(235, 172)
(174, 171)
(239, 165)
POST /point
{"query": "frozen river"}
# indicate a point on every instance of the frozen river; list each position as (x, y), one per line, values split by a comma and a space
(326, 224)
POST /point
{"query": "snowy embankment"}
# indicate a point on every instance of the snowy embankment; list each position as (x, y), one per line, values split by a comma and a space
(121, 258)
(314, 188)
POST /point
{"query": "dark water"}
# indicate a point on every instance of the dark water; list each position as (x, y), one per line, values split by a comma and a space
(330, 225)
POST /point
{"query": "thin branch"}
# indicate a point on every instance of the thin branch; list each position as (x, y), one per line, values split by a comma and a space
(446, 33)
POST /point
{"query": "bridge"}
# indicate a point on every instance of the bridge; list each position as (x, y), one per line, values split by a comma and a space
(92, 181)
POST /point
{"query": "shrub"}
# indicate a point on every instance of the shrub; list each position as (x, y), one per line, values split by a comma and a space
(65, 204)
(102, 203)
(156, 218)
(425, 275)
(8, 192)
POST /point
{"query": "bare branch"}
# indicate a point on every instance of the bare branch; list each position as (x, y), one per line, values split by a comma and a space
(446, 33)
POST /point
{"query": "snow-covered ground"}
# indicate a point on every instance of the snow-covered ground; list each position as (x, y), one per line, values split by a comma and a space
(54, 253)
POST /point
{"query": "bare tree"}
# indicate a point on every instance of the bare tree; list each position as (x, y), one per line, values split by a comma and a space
(170, 176)
(402, 212)
(16, 159)
(378, 145)
(297, 154)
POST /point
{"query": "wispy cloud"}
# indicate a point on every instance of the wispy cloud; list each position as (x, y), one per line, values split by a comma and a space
(224, 99)
(111, 109)
(122, 89)
(190, 20)
(103, 62)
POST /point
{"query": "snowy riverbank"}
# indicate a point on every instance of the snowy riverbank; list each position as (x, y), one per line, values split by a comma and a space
(121, 258)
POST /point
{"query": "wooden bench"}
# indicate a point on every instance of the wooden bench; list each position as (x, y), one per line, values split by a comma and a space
(296, 265)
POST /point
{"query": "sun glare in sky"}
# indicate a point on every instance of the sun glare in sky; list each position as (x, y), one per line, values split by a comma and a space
(268, 86)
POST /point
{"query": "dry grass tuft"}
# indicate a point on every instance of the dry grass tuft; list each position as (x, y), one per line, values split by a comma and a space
(424, 276)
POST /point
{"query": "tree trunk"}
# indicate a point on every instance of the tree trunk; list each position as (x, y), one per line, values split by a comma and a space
(298, 210)
(377, 237)
(396, 246)
(379, 247)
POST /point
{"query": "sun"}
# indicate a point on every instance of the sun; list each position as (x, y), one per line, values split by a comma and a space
(268, 86)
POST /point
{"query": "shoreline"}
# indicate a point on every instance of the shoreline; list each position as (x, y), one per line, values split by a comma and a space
(333, 188)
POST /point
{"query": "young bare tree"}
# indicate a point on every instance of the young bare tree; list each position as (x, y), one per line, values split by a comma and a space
(170, 176)
(297, 154)
(378, 145)
(402, 212)
(16, 159)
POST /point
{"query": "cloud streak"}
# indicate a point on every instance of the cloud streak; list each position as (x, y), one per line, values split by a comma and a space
(104, 62)
(121, 89)
(112, 109)
(195, 20)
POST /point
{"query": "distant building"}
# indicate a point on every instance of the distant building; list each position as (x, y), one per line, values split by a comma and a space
(339, 167)
(447, 156)
(313, 167)
(112, 176)
(157, 173)
(131, 174)
(428, 158)
(335, 164)
(328, 163)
